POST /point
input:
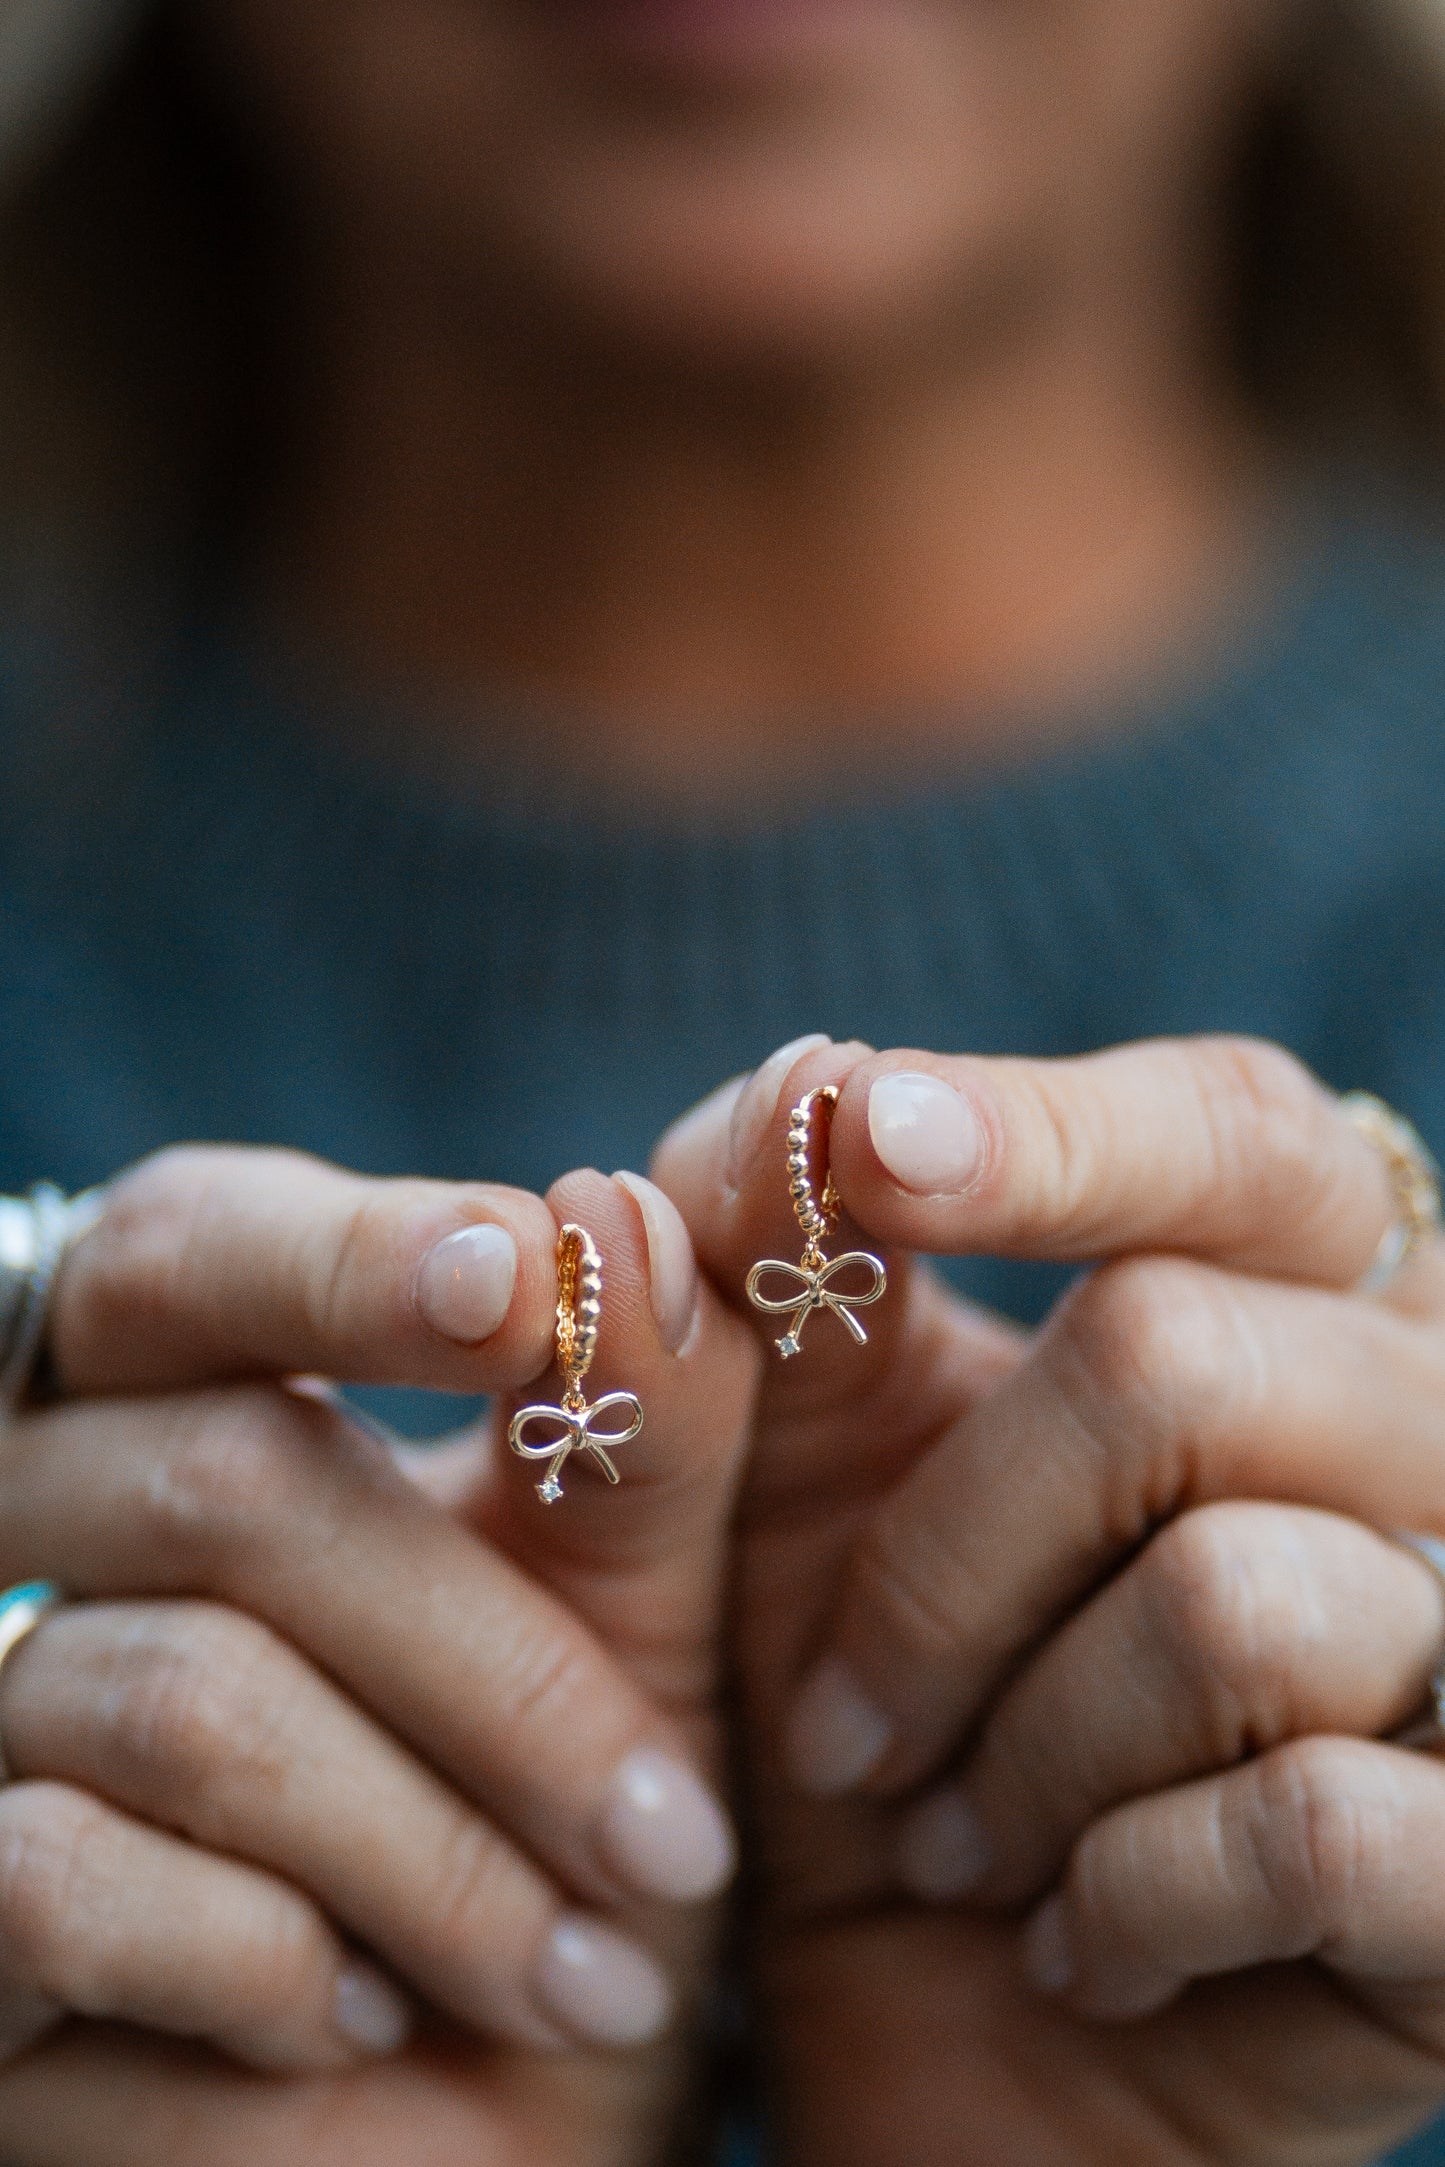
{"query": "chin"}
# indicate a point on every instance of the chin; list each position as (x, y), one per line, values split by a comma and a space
(737, 269)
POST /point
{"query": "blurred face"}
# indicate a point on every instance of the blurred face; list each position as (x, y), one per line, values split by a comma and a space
(743, 175)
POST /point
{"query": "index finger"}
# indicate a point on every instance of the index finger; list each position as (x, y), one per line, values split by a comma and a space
(209, 1264)
(1225, 1149)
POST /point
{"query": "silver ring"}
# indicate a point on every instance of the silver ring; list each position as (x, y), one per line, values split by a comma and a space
(1414, 1177)
(35, 1233)
(21, 1609)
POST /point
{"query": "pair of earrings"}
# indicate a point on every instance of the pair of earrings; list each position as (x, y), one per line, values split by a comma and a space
(812, 1285)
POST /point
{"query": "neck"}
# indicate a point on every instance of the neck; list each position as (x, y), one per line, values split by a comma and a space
(999, 528)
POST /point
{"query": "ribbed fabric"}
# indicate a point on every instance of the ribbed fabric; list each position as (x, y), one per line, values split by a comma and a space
(215, 921)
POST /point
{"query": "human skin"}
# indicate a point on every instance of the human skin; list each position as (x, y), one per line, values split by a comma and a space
(321, 1725)
(918, 404)
(870, 362)
(1067, 1656)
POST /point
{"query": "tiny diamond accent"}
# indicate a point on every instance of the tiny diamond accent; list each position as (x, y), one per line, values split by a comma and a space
(550, 1490)
(788, 1346)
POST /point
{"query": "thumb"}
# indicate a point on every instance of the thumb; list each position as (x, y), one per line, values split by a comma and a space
(841, 1414)
(644, 1562)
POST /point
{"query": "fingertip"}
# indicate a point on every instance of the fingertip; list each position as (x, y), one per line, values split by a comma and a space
(675, 1286)
(371, 2015)
(756, 1104)
(665, 1832)
(482, 1282)
(1116, 1990)
(926, 1136)
(689, 1159)
(917, 1123)
(465, 1282)
(836, 1736)
(943, 1849)
(603, 1988)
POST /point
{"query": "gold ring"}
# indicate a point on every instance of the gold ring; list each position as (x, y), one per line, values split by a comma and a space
(22, 1608)
(1414, 1177)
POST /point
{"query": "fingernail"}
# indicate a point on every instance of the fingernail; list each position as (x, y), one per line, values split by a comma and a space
(926, 1134)
(1048, 1957)
(836, 1736)
(604, 1989)
(672, 1267)
(464, 1285)
(370, 2012)
(701, 1134)
(759, 1102)
(665, 1832)
(942, 1849)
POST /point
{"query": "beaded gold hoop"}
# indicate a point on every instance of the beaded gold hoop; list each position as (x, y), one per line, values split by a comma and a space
(817, 1207)
(579, 1320)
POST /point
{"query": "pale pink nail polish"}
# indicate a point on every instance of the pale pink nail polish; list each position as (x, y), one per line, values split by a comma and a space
(942, 1849)
(759, 1102)
(674, 1284)
(370, 2013)
(926, 1135)
(836, 1736)
(602, 1988)
(464, 1285)
(664, 1832)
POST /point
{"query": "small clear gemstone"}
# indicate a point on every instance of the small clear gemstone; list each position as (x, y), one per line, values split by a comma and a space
(788, 1346)
(550, 1490)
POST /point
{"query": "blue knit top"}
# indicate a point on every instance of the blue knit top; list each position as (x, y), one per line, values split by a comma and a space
(220, 919)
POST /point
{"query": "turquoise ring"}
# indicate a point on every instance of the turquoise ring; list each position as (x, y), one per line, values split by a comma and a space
(21, 1609)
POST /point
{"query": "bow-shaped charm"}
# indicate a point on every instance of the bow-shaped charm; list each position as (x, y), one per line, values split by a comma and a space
(813, 1289)
(579, 1434)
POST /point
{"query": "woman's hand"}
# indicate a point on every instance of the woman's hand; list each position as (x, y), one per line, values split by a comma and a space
(311, 1764)
(1084, 1644)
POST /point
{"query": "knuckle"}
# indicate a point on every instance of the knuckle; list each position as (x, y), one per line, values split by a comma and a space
(197, 1696)
(329, 1278)
(912, 1585)
(547, 1684)
(1066, 1153)
(1322, 1822)
(1152, 1348)
(151, 1219)
(52, 1882)
(1263, 1112)
(1232, 1607)
(468, 1900)
(226, 1478)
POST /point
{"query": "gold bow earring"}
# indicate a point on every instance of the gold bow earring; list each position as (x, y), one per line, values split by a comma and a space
(579, 1318)
(818, 1210)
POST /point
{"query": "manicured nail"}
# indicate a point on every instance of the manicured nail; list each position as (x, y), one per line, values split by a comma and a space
(836, 1736)
(370, 2012)
(700, 1136)
(942, 1849)
(603, 1989)
(464, 1285)
(759, 1102)
(927, 1136)
(664, 1832)
(675, 1285)
(1048, 1957)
